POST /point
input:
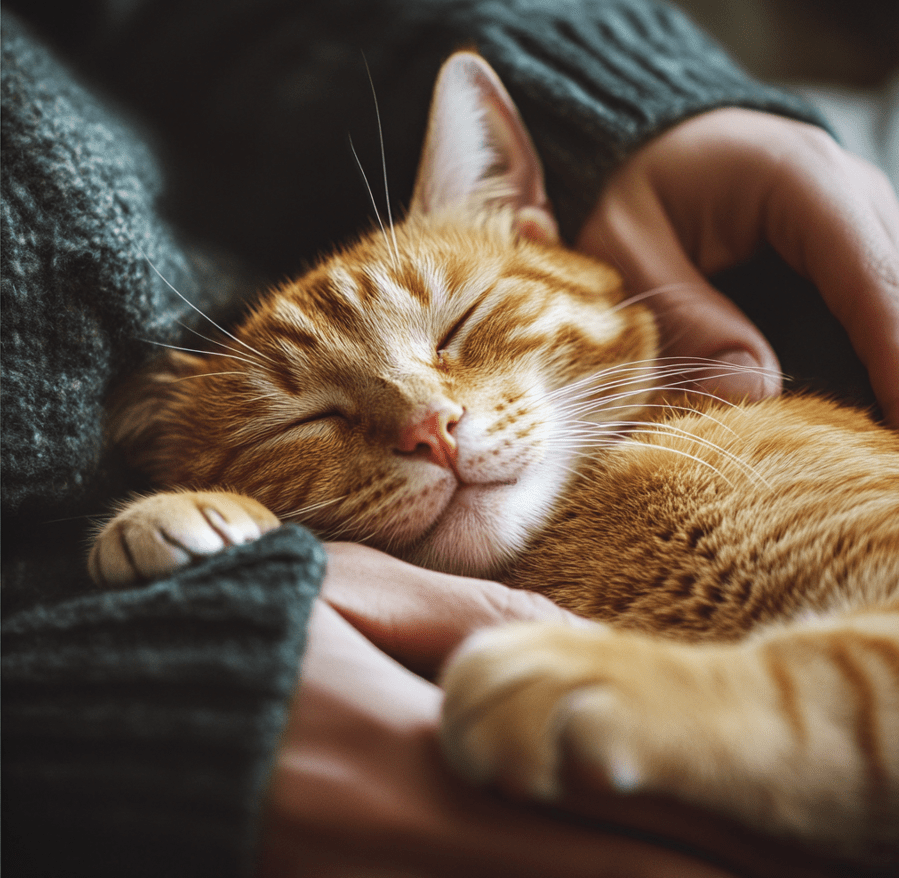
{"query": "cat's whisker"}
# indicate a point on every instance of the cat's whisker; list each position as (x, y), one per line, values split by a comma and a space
(713, 361)
(617, 439)
(682, 454)
(680, 386)
(95, 516)
(708, 363)
(648, 294)
(312, 507)
(586, 428)
(263, 396)
(623, 375)
(173, 347)
(595, 398)
(671, 366)
(204, 375)
(672, 430)
(350, 521)
(346, 531)
(599, 399)
(667, 407)
(619, 368)
(218, 342)
(642, 378)
(195, 308)
(374, 203)
(396, 250)
(683, 387)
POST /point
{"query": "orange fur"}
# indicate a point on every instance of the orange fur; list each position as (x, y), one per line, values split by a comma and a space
(468, 394)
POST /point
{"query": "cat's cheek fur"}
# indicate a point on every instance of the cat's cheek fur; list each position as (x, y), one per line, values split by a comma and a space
(485, 527)
(410, 511)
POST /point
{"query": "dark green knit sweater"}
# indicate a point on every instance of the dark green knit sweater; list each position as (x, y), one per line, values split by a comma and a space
(139, 726)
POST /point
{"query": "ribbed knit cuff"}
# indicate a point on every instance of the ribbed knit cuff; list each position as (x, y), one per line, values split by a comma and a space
(140, 726)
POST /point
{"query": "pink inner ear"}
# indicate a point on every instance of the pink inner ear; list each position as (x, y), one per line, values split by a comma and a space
(537, 224)
(478, 150)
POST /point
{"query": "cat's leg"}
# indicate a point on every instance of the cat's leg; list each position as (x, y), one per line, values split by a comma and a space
(795, 732)
(152, 536)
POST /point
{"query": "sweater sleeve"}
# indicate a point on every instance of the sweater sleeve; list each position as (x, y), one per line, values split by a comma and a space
(94, 278)
(595, 81)
(140, 726)
(260, 98)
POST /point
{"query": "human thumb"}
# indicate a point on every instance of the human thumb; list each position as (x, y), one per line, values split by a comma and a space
(707, 342)
(709, 345)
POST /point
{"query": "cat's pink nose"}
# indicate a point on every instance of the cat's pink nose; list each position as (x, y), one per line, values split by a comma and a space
(429, 432)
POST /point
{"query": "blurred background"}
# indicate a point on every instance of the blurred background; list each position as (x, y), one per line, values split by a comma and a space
(843, 55)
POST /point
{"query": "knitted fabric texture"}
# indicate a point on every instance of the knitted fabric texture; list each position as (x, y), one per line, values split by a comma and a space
(82, 300)
(140, 726)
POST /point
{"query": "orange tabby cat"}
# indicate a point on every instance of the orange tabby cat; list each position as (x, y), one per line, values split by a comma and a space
(461, 391)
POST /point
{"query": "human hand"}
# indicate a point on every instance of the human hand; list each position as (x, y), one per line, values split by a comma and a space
(360, 789)
(702, 196)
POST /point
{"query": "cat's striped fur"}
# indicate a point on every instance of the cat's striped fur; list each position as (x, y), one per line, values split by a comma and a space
(462, 391)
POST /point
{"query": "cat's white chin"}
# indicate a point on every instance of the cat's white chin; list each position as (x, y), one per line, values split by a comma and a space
(484, 526)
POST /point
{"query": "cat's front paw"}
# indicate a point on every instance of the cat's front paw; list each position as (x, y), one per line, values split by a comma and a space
(522, 698)
(155, 535)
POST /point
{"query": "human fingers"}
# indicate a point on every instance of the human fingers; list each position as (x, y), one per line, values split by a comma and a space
(360, 788)
(419, 616)
(630, 229)
(835, 218)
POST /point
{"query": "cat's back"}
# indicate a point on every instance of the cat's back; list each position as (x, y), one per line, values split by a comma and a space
(713, 522)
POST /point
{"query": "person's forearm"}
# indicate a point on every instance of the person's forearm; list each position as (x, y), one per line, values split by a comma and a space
(140, 726)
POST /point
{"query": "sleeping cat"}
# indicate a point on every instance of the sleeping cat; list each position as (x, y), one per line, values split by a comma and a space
(463, 392)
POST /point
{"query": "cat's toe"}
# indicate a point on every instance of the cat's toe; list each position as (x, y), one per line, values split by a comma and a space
(506, 707)
(155, 535)
(527, 704)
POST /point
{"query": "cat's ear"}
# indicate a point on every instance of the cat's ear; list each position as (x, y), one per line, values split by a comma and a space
(478, 153)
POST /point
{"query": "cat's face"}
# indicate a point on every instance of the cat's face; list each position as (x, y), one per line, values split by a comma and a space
(418, 392)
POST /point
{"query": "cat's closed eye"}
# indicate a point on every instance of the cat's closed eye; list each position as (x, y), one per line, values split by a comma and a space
(333, 414)
(452, 333)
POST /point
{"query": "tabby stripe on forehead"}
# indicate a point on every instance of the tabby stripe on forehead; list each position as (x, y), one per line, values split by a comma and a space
(367, 286)
(297, 337)
(391, 288)
(336, 310)
(558, 284)
(422, 283)
(345, 283)
(282, 379)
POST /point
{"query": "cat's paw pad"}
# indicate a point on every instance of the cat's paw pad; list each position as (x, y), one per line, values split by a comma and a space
(155, 535)
(522, 698)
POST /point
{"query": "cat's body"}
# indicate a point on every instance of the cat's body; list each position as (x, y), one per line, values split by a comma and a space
(467, 394)
(792, 506)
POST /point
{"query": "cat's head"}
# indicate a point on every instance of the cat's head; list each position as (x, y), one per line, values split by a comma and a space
(427, 390)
